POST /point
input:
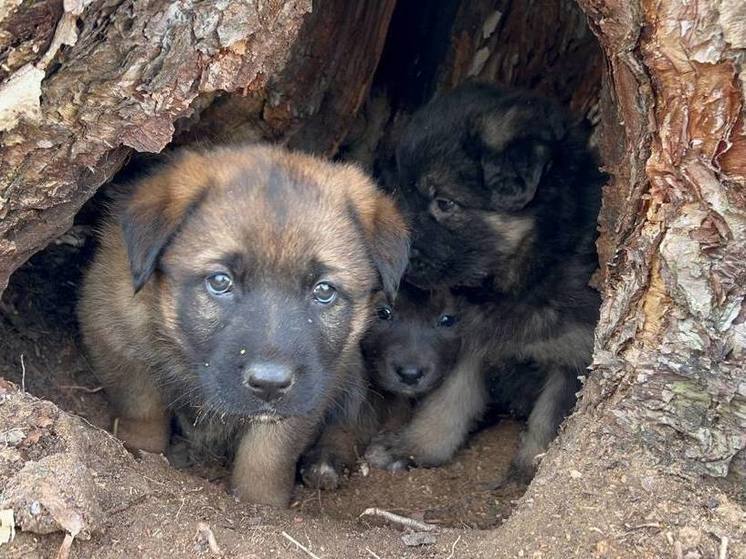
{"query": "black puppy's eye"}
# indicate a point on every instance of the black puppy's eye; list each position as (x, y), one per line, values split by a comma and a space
(219, 284)
(447, 320)
(384, 312)
(324, 293)
(445, 205)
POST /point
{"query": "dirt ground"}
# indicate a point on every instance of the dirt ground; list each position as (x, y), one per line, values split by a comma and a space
(39, 352)
(62, 474)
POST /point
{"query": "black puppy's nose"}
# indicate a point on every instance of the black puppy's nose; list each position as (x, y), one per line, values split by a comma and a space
(410, 374)
(268, 381)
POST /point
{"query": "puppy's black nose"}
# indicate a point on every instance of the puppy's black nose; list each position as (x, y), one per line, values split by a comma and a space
(410, 374)
(268, 381)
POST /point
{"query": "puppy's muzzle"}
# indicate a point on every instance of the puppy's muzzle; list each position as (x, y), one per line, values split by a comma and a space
(268, 381)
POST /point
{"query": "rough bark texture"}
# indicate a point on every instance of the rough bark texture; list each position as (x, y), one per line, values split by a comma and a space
(87, 83)
(311, 102)
(671, 343)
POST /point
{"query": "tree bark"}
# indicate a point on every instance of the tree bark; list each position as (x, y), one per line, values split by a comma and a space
(544, 45)
(85, 84)
(671, 342)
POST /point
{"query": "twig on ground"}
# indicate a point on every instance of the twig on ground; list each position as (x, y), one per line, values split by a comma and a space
(398, 519)
(291, 539)
(453, 548)
(641, 526)
(372, 553)
(85, 389)
(723, 552)
(109, 513)
(64, 551)
(178, 512)
(23, 375)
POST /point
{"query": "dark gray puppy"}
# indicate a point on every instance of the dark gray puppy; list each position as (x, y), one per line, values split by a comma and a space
(409, 352)
(503, 196)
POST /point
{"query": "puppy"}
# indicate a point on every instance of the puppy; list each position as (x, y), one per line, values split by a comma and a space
(503, 196)
(412, 345)
(410, 352)
(233, 287)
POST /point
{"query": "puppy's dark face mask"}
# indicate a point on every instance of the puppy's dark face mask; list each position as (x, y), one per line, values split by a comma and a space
(269, 343)
(413, 345)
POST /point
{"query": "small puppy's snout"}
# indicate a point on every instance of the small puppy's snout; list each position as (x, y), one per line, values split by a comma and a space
(268, 381)
(410, 374)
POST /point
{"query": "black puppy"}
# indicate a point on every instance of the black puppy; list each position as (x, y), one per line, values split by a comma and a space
(410, 352)
(413, 345)
(503, 195)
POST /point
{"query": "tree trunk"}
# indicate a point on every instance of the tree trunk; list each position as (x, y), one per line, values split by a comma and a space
(671, 342)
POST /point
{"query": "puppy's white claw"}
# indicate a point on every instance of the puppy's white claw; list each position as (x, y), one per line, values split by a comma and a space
(378, 456)
(321, 476)
(398, 466)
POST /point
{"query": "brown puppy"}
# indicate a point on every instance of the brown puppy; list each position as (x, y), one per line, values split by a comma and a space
(233, 287)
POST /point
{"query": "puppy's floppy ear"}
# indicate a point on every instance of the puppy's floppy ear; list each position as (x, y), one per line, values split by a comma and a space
(385, 230)
(152, 215)
(514, 162)
(389, 245)
(513, 176)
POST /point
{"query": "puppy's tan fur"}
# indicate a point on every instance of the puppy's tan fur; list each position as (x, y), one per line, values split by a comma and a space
(203, 208)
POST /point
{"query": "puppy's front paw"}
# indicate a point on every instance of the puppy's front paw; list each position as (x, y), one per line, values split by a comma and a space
(385, 453)
(525, 463)
(150, 435)
(320, 475)
(260, 496)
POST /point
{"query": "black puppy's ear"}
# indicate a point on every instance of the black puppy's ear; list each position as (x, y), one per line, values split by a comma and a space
(513, 175)
(515, 149)
(151, 216)
(385, 230)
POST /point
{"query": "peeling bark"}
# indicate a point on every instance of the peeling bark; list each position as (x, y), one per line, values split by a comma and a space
(311, 103)
(114, 77)
(671, 342)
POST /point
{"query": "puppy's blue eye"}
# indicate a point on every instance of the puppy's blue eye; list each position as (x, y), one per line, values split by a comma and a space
(324, 293)
(384, 312)
(447, 320)
(219, 284)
